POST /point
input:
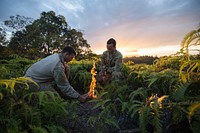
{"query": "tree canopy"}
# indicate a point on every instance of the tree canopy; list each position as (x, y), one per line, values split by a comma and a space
(47, 35)
(3, 40)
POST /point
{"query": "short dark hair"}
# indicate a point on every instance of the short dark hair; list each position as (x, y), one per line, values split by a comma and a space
(70, 50)
(112, 41)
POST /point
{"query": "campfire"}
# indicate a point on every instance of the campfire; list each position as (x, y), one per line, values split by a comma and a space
(93, 82)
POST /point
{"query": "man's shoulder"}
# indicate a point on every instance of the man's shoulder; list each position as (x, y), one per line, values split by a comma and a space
(118, 53)
(52, 56)
(105, 53)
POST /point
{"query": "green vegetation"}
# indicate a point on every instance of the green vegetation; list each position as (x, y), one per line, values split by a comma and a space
(160, 97)
(149, 99)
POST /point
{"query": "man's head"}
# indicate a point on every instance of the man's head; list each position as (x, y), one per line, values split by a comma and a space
(68, 53)
(111, 45)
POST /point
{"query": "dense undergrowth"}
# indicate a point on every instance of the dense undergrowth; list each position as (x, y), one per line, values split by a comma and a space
(163, 97)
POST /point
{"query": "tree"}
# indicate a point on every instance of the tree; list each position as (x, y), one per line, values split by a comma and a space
(3, 40)
(18, 22)
(8, 27)
(46, 35)
(75, 39)
(4, 50)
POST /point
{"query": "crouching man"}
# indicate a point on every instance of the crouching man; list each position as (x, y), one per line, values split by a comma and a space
(52, 73)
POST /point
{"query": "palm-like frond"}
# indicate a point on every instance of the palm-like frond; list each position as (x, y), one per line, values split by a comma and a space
(186, 42)
(190, 70)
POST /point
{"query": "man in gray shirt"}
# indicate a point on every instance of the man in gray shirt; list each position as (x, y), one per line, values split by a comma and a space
(52, 72)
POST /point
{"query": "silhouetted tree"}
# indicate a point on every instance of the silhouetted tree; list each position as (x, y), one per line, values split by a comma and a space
(18, 22)
(46, 35)
(141, 59)
(3, 40)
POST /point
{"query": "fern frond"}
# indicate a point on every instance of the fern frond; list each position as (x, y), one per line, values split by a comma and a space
(112, 121)
(194, 117)
(36, 129)
(157, 121)
(143, 118)
(192, 67)
(179, 92)
(192, 110)
(54, 129)
(152, 81)
(186, 42)
(25, 81)
(124, 105)
(139, 92)
(1, 96)
(135, 108)
(10, 83)
(161, 99)
(13, 125)
(101, 103)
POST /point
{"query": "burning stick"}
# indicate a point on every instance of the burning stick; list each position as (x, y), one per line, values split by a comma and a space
(93, 82)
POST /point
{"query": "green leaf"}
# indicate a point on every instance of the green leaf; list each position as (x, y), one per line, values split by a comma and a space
(101, 103)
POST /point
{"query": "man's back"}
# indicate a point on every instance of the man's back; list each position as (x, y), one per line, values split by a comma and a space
(42, 71)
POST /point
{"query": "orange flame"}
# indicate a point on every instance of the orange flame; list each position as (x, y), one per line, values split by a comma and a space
(93, 82)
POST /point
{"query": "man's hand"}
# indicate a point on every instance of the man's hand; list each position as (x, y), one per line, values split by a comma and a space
(82, 98)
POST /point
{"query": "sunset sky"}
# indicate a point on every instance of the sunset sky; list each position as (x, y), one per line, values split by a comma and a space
(140, 27)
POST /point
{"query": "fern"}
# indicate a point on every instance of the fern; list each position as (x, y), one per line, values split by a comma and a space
(179, 92)
(186, 42)
(180, 110)
(55, 129)
(193, 116)
(101, 103)
(10, 83)
(107, 109)
(38, 129)
(4, 71)
(150, 111)
(14, 67)
(140, 93)
(36, 110)
(112, 121)
(143, 118)
(80, 76)
(189, 70)
(162, 82)
(12, 125)
(135, 108)
(157, 120)
(167, 62)
(1, 96)
(104, 119)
